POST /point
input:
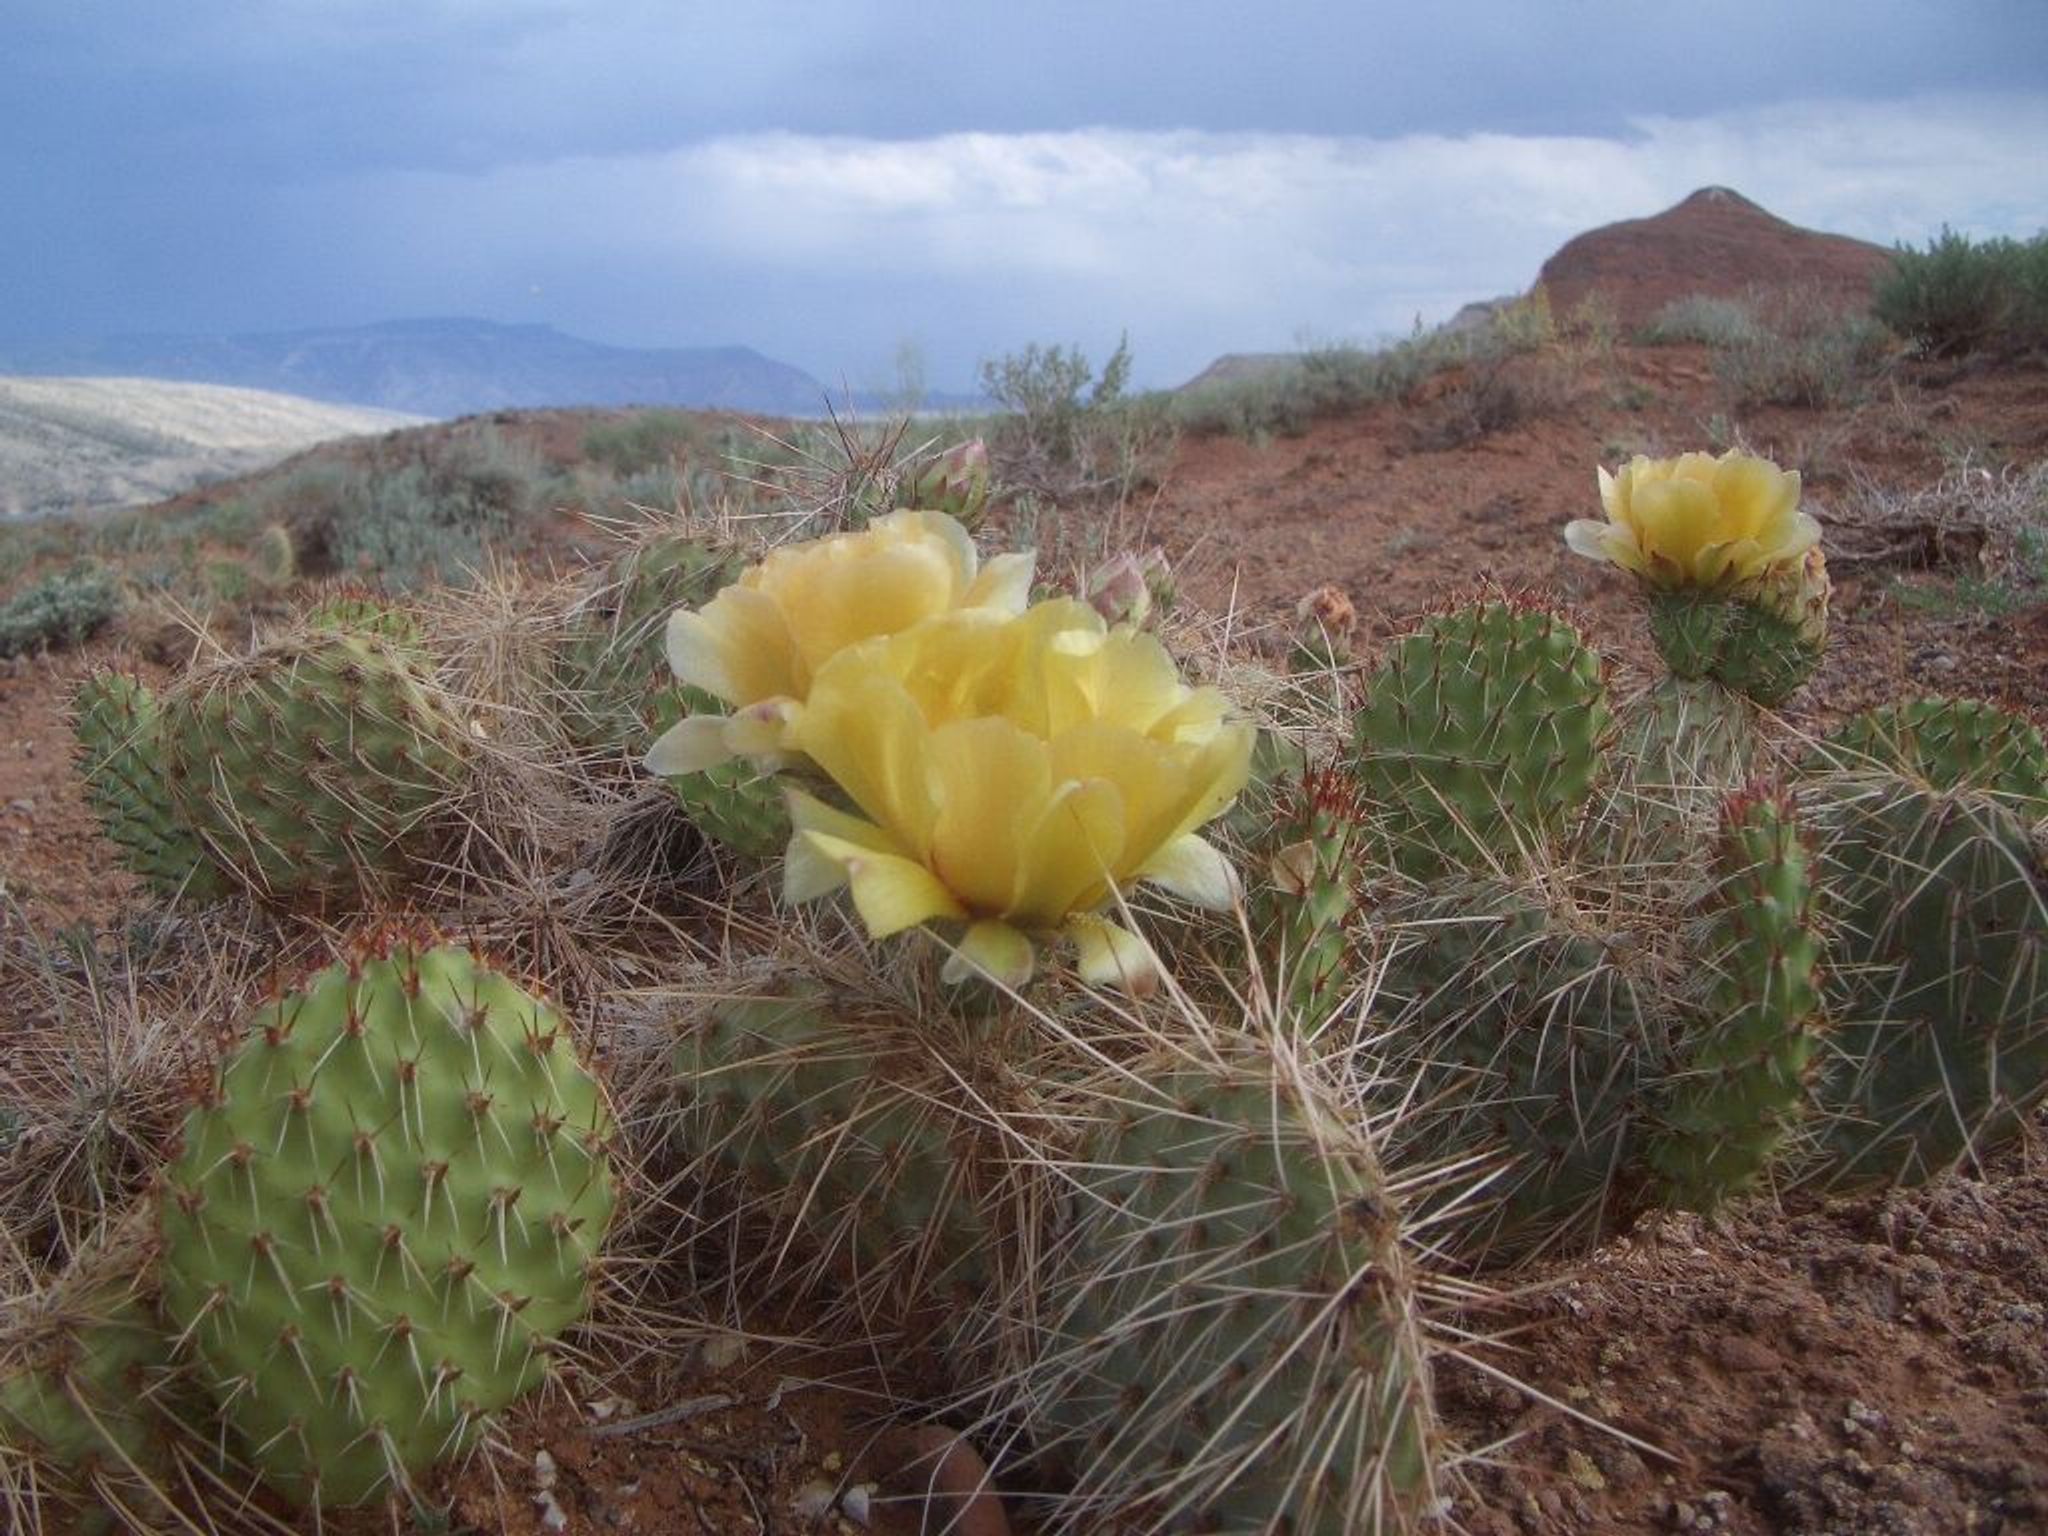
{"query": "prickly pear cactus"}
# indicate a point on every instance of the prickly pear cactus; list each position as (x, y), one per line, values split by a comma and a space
(1740, 1078)
(1680, 747)
(119, 754)
(384, 1214)
(315, 767)
(1950, 744)
(1481, 737)
(613, 672)
(1304, 906)
(1523, 1033)
(1224, 1336)
(1938, 1002)
(736, 803)
(359, 610)
(839, 1134)
(85, 1370)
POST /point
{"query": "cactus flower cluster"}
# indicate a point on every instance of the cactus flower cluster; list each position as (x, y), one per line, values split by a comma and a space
(1009, 769)
(1737, 583)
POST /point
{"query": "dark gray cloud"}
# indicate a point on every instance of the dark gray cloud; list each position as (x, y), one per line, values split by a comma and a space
(251, 163)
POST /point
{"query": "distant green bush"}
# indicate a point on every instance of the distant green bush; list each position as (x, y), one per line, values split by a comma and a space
(1802, 354)
(1702, 319)
(1065, 431)
(1961, 295)
(424, 519)
(646, 440)
(1323, 381)
(63, 608)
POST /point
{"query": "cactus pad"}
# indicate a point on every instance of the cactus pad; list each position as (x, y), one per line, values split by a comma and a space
(835, 1134)
(1951, 744)
(83, 1367)
(382, 1216)
(1521, 1035)
(1481, 736)
(1227, 1340)
(1735, 642)
(314, 767)
(115, 723)
(1741, 1078)
(1939, 960)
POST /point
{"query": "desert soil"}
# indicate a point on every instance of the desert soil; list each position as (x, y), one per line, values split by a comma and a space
(1875, 1365)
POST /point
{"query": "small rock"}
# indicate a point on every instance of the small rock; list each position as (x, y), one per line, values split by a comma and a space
(812, 1500)
(722, 1350)
(1579, 1467)
(857, 1503)
(544, 1471)
(946, 1467)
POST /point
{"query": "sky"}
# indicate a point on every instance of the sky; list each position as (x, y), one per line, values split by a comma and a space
(889, 191)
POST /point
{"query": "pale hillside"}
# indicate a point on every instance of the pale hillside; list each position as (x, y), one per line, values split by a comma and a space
(67, 444)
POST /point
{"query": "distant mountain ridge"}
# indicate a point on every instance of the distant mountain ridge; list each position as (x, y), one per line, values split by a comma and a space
(443, 367)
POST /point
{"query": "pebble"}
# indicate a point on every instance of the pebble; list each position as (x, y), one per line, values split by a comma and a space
(812, 1500)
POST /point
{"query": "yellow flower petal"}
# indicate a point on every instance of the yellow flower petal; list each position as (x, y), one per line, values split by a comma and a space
(994, 950)
(1109, 956)
(890, 893)
(689, 746)
(1194, 868)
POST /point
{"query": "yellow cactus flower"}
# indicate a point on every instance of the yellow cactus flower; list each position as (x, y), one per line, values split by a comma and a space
(760, 642)
(1698, 522)
(1014, 775)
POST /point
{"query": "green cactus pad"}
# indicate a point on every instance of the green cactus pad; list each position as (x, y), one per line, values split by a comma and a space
(1517, 1037)
(735, 804)
(361, 611)
(1481, 737)
(1737, 643)
(1681, 747)
(1950, 744)
(315, 767)
(382, 1217)
(120, 759)
(1304, 905)
(84, 1366)
(1740, 1078)
(837, 1132)
(1226, 1339)
(1938, 999)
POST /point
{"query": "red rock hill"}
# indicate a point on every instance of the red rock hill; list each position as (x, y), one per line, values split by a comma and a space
(1715, 242)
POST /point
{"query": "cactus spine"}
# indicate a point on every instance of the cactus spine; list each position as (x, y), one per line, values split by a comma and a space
(383, 1215)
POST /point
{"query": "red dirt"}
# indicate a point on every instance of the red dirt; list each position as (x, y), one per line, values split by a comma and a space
(1715, 242)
